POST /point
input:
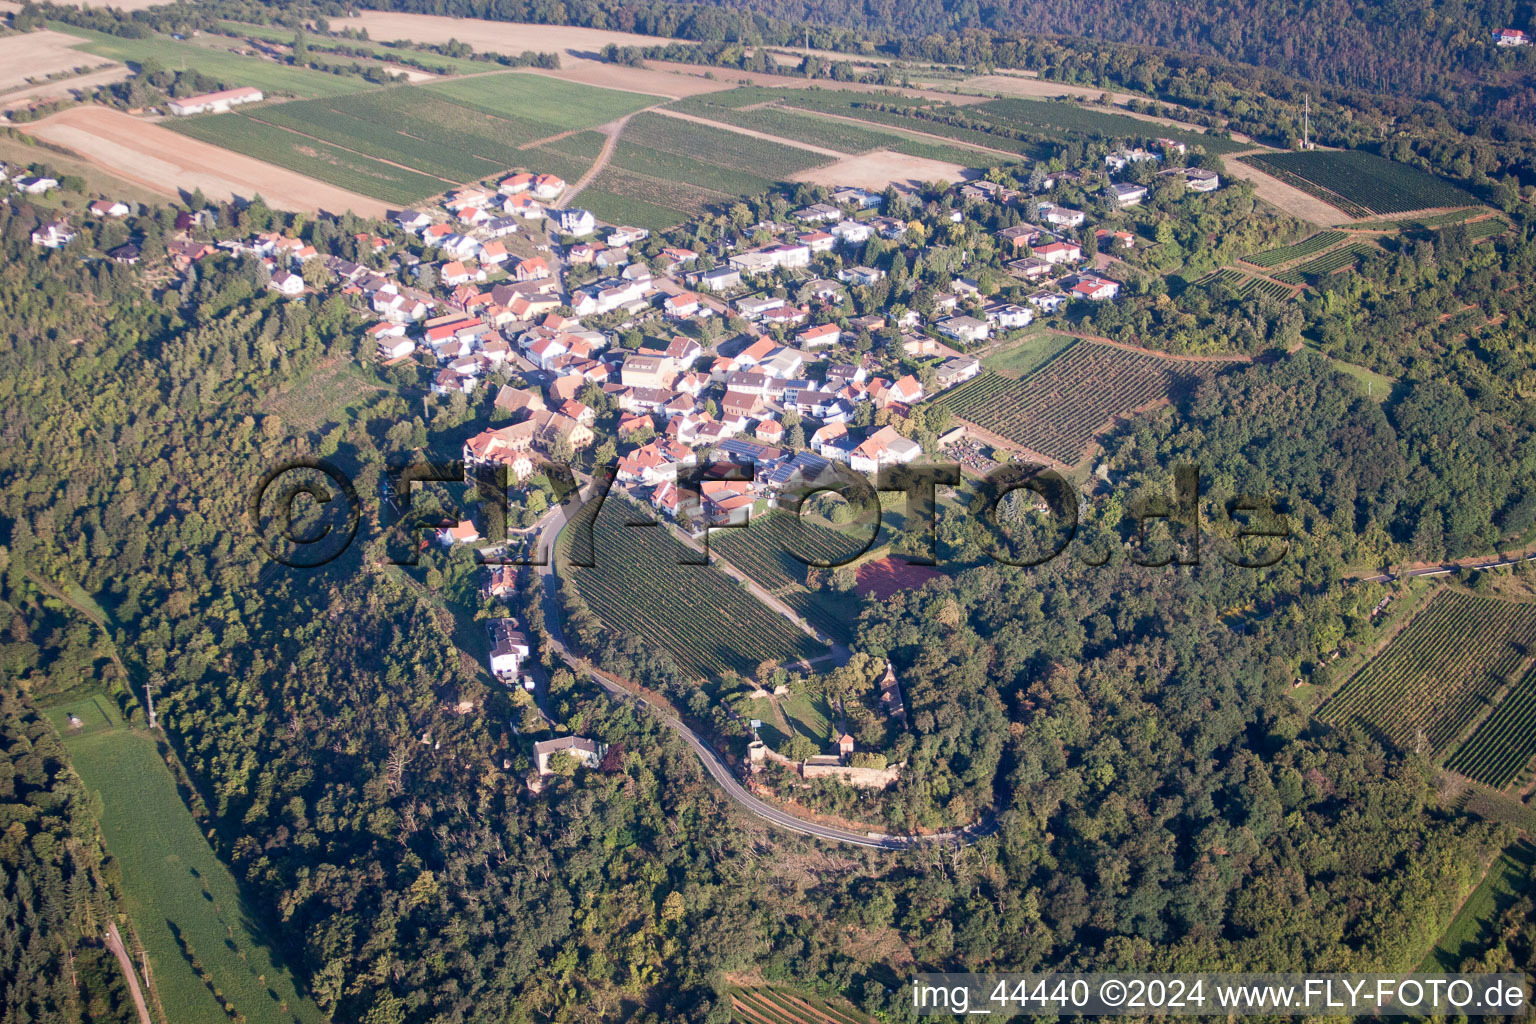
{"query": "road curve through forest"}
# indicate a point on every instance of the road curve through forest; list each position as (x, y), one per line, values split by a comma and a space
(554, 522)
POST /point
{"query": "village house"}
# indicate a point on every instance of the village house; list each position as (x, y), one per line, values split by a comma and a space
(509, 646)
(718, 279)
(35, 186)
(770, 257)
(851, 232)
(955, 371)
(1061, 216)
(1095, 289)
(1058, 252)
(109, 208)
(507, 446)
(963, 328)
(817, 241)
(861, 276)
(820, 336)
(464, 532)
(1127, 193)
(1008, 316)
(57, 233)
(1120, 159)
(1511, 37)
(575, 222)
(683, 306)
(858, 198)
(584, 751)
(647, 372)
(1115, 239)
(287, 284)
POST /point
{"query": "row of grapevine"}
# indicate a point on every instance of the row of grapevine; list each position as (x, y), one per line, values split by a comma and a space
(1286, 253)
(765, 1005)
(1503, 745)
(1060, 408)
(1436, 674)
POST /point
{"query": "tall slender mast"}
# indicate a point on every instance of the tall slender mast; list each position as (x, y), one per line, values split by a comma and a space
(1306, 120)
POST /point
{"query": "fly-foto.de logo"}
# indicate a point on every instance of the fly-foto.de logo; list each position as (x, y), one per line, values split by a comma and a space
(306, 512)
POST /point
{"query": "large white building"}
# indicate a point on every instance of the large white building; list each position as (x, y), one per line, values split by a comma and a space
(215, 102)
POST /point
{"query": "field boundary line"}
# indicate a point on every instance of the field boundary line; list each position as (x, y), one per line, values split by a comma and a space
(912, 134)
(755, 134)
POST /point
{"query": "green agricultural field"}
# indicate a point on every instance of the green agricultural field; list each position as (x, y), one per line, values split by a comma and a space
(542, 98)
(708, 622)
(229, 68)
(757, 158)
(1028, 355)
(1439, 672)
(317, 159)
(1063, 117)
(1474, 928)
(180, 897)
(614, 197)
(1355, 181)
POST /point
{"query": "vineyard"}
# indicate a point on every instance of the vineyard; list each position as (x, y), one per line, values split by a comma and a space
(1243, 284)
(318, 160)
(766, 551)
(1501, 747)
(704, 619)
(1360, 183)
(1328, 263)
(1058, 410)
(1286, 253)
(1439, 672)
(763, 1004)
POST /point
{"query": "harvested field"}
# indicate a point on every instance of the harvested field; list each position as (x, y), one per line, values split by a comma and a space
(881, 168)
(890, 575)
(31, 57)
(495, 36)
(63, 88)
(164, 161)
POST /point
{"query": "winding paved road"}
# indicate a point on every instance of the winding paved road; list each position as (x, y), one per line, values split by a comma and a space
(552, 524)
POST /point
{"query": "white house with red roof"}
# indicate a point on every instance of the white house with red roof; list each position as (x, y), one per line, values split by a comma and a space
(820, 336)
(1511, 37)
(684, 305)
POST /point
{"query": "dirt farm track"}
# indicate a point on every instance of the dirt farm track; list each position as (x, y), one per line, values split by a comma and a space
(163, 161)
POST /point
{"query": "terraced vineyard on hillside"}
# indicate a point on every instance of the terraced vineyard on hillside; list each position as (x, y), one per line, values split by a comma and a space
(1306, 247)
